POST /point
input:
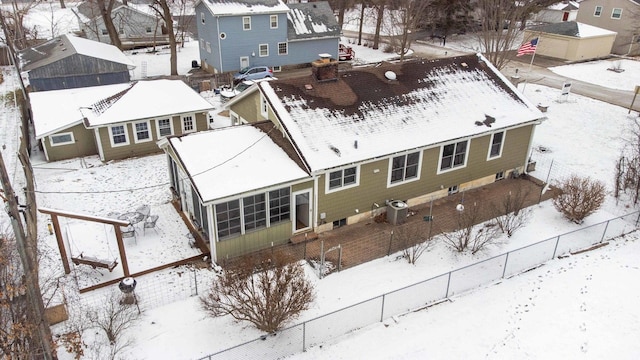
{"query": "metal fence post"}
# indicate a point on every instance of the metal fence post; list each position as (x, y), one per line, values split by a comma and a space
(304, 336)
(448, 282)
(506, 260)
(556, 248)
(382, 308)
(604, 233)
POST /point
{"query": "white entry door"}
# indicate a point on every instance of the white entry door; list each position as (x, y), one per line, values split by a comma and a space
(244, 62)
(302, 210)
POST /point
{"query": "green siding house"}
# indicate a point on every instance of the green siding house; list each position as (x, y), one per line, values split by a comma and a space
(345, 144)
(115, 121)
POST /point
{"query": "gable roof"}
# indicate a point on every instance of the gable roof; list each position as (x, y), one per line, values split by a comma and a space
(89, 10)
(573, 29)
(244, 7)
(564, 6)
(245, 158)
(68, 45)
(363, 115)
(311, 20)
(103, 105)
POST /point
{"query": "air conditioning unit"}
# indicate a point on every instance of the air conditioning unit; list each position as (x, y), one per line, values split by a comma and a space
(397, 211)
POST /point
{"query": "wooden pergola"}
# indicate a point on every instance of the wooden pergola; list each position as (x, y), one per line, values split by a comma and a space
(63, 252)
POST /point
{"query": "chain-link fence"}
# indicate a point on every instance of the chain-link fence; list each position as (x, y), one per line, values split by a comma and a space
(299, 337)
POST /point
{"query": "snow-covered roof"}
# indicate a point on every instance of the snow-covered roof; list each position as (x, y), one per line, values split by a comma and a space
(243, 159)
(244, 7)
(311, 20)
(68, 45)
(102, 105)
(363, 116)
(564, 5)
(572, 28)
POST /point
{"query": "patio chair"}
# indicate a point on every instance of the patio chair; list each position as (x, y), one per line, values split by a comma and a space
(129, 232)
(150, 223)
(144, 210)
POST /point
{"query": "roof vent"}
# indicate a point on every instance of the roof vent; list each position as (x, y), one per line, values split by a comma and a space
(464, 64)
(308, 87)
(390, 75)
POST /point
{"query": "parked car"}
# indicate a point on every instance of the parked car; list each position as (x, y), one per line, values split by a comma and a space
(252, 73)
(345, 53)
(228, 92)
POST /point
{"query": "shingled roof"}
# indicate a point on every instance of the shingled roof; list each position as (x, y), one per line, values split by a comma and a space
(572, 28)
(311, 20)
(363, 115)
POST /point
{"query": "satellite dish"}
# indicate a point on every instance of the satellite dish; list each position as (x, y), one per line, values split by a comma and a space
(390, 75)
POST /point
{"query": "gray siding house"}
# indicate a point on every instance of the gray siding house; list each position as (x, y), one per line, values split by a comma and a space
(70, 62)
(263, 33)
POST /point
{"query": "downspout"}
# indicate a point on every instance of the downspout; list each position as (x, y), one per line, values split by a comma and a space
(213, 235)
(315, 202)
(219, 42)
(530, 148)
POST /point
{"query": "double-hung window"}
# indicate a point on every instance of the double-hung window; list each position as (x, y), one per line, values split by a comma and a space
(342, 179)
(228, 219)
(495, 147)
(142, 131)
(118, 135)
(255, 212)
(246, 23)
(454, 155)
(263, 50)
(283, 48)
(616, 13)
(165, 128)
(598, 11)
(273, 21)
(405, 168)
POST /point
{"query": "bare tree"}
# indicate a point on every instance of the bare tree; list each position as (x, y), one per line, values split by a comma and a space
(414, 240)
(469, 234)
(402, 23)
(18, 35)
(380, 6)
(266, 293)
(579, 197)
(161, 7)
(509, 213)
(502, 23)
(627, 172)
(106, 7)
(113, 318)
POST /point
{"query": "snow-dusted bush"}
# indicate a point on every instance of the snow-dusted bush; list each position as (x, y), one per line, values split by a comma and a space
(579, 197)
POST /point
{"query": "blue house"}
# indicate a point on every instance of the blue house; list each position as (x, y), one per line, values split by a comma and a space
(241, 33)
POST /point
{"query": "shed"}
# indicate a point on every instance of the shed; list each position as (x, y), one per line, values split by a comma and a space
(68, 61)
(572, 40)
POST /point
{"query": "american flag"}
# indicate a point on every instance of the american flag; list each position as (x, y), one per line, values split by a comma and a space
(528, 48)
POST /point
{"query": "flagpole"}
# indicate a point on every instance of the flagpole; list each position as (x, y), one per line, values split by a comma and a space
(535, 50)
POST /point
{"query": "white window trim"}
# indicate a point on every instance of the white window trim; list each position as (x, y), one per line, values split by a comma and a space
(148, 30)
(271, 22)
(466, 157)
(612, 12)
(595, 11)
(327, 190)
(72, 141)
(235, 118)
(158, 128)
(286, 52)
(202, 18)
(195, 124)
(260, 50)
(208, 46)
(135, 132)
(201, 43)
(264, 106)
(504, 135)
(243, 19)
(126, 135)
(390, 167)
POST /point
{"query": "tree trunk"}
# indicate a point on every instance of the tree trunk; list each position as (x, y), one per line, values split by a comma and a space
(376, 36)
(62, 5)
(105, 11)
(341, 9)
(361, 21)
(168, 20)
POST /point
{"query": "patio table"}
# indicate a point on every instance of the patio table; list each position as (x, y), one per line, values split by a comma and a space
(132, 217)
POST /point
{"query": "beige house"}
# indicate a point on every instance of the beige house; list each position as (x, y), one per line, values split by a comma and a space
(572, 41)
(621, 16)
(331, 149)
(115, 121)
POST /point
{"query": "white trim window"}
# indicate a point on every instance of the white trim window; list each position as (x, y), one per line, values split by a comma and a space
(104, 31)
(453, 156)
(283, 48)
(616, 13)
(148, 30)
(142, 131)
(342, 179)
(164, 127)
(208, 47)
(273, 21)
(202, 43)
(118, 135)
(235, 118)
(263, 50)
(202, 17)
(188, 123)
(597, 11)
(495, 145)
(405, 168)
(246, 23)
(62, 139)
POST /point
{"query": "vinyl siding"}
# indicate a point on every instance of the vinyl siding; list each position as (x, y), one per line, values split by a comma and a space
(255, 240)
(85, 145)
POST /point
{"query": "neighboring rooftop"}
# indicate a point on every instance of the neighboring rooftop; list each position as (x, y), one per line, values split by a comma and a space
(243, 7)
(572, 28)
(68, 45)
(311, 20)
